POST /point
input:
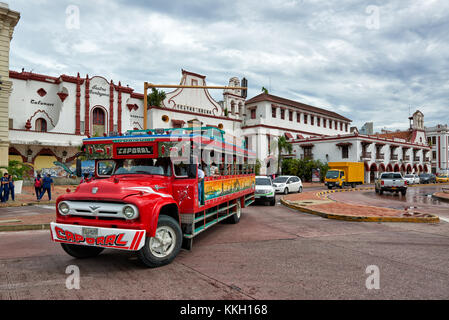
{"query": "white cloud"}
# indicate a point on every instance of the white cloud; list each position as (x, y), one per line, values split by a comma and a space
(317, 52)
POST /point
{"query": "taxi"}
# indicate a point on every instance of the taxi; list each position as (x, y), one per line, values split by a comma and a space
(442, 178)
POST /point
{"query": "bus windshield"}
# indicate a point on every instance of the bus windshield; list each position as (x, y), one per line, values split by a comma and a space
(160, 166)
(332, 174)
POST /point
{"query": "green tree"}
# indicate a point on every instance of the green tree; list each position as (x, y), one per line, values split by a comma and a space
(18, 169)
(264, 90)
(156, 97)
(283, 145)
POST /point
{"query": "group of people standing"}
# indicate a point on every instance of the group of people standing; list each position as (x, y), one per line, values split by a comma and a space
(7, 187)
(42, 186)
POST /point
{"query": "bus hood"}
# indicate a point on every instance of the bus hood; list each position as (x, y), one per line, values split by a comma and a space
(121, 187)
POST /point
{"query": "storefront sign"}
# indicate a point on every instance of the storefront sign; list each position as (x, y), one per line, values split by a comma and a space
(40, 103)
(99, 91)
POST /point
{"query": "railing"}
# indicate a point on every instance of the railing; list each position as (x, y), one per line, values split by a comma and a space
(366, 155)
(406, 158)
(427, 159)
(380, 156)
(394, 157)
(416, 159)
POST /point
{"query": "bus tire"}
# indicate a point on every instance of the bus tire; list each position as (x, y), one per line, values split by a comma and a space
(236, 217)
(165, 246)
(80, 251)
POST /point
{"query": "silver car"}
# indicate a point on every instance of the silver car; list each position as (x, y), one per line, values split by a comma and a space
(287, 184)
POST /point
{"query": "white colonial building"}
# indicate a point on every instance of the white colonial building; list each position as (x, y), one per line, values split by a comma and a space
(50, 116)
(438, 139)
(400, 151)
(268, 117)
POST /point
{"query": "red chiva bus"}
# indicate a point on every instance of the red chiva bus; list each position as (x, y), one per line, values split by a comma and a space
(154, 191)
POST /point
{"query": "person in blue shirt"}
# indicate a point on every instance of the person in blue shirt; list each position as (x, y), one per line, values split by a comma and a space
(11, 187)
(47, 186)
(5, 186)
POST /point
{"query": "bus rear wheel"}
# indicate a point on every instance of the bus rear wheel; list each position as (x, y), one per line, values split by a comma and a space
(236, 217)
(165, 246)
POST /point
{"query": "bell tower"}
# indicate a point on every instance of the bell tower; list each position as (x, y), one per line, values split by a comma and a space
(417, 121)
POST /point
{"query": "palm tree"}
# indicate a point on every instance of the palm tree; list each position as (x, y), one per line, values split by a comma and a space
(283, 145)
(156, 97)
(264, 90)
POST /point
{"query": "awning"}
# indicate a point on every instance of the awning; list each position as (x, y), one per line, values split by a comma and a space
(288, 135)
(344, 144)
(310, 145)
(298, 136)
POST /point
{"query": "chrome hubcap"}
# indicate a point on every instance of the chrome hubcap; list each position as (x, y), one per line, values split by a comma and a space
(163, 243)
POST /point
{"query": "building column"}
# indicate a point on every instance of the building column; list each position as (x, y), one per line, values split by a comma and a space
(8, 21)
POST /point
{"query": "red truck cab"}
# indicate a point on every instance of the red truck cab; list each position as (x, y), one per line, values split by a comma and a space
(148, 195)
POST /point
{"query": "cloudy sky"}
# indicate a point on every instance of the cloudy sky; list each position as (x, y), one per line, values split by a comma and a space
(368, 60)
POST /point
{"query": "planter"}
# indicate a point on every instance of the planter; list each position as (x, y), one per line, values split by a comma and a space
(18, 186)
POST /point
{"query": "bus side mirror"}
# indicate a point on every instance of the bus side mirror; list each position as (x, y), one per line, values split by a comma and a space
(191, 171)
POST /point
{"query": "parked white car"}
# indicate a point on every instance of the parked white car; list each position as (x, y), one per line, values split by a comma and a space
(412, 179)
(287, 184)
(265, 190)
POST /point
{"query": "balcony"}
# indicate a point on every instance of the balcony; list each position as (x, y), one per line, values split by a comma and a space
(380, 156)
(427, 159)
(365, 156)
(406, 158)
(308, 156)
(416, 159)
(394, 157)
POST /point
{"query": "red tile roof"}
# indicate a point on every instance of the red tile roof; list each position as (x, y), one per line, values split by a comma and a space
(268, 97)
(406, 135)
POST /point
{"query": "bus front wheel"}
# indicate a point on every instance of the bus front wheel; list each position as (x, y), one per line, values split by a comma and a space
(165, 246)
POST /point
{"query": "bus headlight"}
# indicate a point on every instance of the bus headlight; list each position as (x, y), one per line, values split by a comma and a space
(63, 208)
(129, 212)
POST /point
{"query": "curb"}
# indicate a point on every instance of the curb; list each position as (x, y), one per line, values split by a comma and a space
(26, 204)
(25, 227)
(432, 219)
(440, 198)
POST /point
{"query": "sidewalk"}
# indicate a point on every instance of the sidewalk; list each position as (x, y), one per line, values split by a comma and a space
(26, 219)
(28, 197)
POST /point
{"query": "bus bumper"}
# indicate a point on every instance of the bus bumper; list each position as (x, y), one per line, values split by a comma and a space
(123, 239)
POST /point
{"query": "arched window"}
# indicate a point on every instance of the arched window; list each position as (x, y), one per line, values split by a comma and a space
(41, 125)
(98, 122)
(98, 117)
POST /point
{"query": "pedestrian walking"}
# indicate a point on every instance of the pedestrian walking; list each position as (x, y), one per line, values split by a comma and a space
(11, 187)
(5, 184)
(38, 186)
(47, 186)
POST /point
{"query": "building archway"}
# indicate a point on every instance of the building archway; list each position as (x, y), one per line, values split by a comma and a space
(367, 173)
(409, 169)
(99, 121)
(396, 168)
(389, 167)
(373, 172)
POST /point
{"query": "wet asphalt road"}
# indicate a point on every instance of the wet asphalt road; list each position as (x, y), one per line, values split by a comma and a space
(417, 199)
(273, 253)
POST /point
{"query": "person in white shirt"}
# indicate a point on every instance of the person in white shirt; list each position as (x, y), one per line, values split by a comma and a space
(200, 185)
